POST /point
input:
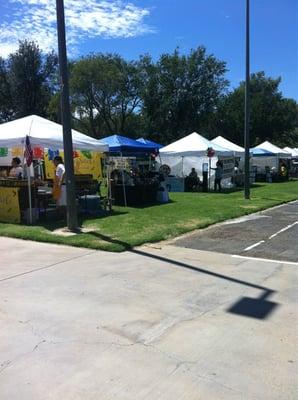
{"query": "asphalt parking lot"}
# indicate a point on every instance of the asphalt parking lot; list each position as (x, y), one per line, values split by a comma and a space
(271, 234)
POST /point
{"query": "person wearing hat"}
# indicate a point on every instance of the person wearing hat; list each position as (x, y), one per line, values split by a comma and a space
(16, 170)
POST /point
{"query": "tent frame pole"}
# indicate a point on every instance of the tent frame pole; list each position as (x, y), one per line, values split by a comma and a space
(123, 183)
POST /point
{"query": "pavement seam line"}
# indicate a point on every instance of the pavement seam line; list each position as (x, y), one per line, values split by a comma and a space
(46, 267)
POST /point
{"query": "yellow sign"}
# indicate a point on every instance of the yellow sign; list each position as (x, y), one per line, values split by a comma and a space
(17, 151)
(9, 205)
(85, 162)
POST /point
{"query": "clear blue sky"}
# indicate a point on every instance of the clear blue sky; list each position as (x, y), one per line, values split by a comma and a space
(135, 27)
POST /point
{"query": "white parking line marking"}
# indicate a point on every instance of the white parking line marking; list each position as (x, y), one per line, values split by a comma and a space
(283, 230)
(254, 245)
(265, 260)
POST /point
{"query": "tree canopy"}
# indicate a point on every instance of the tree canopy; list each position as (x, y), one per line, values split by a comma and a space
(272, 116)
(180, 92)
(30, 80)
(162, 99)
(105, 92)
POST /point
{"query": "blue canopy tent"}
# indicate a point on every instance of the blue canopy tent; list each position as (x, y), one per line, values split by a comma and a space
(150, 143)
(257, 152)
(127, 146)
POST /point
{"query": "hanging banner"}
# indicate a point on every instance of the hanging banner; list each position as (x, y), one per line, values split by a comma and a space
(38, 153)
(3, 151)
(88, 163)
(17, 151)
(5, 160)
(85, 163)
(9, 205)
(7, 154)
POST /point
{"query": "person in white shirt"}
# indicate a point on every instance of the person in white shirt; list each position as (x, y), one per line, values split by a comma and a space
(59, 188)
(16, 170)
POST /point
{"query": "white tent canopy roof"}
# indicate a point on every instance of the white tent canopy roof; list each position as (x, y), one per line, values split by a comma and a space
(273, 149)
(221, 141)
(293, 151)
(44, 133)
(193, 145)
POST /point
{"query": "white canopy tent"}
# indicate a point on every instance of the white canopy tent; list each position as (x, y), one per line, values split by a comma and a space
(272, 162)
(193, 145)
(44, 133)
(273, 149)
(191, 152)
(238, 151)
(292, 151)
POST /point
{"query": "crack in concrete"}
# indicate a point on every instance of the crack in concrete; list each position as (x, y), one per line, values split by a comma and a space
(46, 267)
(187, 366)
(9, 363)
(179, 363)
(276, 270)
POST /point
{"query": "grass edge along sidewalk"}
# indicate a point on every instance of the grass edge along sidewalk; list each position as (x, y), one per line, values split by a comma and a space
(129, 227)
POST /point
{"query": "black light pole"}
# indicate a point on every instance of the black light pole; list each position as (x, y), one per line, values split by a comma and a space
(247, 112)
(72, 218)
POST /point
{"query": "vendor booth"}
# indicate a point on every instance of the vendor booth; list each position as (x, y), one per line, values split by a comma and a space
(192, 152)
(238, 153)
(131, 164)
(293, 173)
(45, 139)
(292, 151)
(270, 163)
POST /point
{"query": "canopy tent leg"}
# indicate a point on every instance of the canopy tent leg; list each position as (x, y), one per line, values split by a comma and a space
(29, 194)
(123, 184)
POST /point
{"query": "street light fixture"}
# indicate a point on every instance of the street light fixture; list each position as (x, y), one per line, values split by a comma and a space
(72, 218)
(247, 111)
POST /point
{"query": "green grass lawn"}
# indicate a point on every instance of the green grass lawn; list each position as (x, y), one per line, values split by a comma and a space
(128, 227)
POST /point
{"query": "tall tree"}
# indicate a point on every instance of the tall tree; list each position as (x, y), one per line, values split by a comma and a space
(181, 93)
(6, 105)
(105, 91)
(31, 79)
(272, 118)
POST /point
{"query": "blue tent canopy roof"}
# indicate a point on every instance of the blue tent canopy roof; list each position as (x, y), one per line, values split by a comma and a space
(258, 152)
(122, 144)
(150, 143)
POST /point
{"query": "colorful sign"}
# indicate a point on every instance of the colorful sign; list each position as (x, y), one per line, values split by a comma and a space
(3, 151)
(7, 154)
(9, 205)
(85, 163)
(38, 153)
(17, 151)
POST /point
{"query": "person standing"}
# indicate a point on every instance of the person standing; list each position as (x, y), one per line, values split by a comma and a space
(218, 175)
(59, 188)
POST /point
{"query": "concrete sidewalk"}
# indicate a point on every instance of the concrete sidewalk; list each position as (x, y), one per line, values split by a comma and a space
(161, 323)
